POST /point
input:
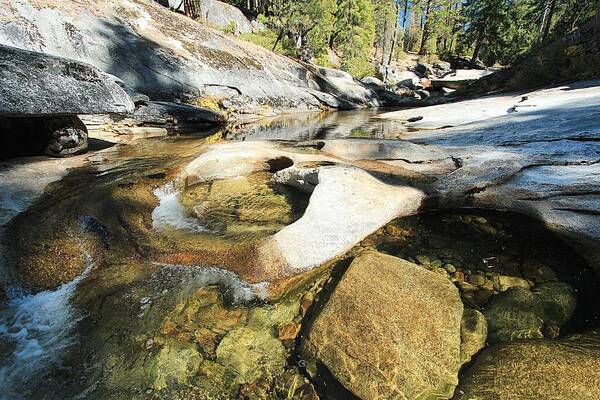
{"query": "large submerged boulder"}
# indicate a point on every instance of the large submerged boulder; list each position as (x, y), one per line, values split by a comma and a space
(391, 329)
(41, 96)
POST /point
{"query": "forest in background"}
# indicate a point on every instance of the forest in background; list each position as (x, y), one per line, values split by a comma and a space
(358, 35)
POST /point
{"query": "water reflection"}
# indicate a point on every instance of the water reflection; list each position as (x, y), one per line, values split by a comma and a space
(325, 125)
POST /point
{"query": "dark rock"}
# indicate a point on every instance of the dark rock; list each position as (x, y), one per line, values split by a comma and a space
(160, 113)
(56, 136)
(442, 66)
(423, 93)
(36, 84)
(424, 69)
(458, 62)
(521, 314)
(473, 333)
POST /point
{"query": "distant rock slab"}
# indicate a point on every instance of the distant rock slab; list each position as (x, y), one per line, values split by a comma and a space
(390, 330)
(460, 78)
(37, 84)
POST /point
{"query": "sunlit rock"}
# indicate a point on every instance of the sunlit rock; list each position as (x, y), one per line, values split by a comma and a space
(390, 330)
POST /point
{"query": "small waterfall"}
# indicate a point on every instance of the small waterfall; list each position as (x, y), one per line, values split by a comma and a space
(38, 328)
(35, 329)
(170, 214)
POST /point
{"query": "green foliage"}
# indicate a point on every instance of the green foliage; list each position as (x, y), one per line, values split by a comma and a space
(266, 38)
(365, 32)
(303, 26)
(354, 32)
(231, 28)
(358, 67)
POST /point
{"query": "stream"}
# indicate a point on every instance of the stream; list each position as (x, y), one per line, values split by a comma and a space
(117, 281)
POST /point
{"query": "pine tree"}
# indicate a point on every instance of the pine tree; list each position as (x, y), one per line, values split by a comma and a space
(354, 34)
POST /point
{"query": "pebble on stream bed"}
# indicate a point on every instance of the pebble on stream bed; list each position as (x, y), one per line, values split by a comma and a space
(487, 255)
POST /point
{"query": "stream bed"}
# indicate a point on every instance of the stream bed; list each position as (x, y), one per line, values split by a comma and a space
(120, 282)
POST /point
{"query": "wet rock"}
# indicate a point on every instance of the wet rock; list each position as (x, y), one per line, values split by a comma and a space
(459, 276)
(558, 301)
(174, 365)
(174, 116)
(544, 369)
(251, 354)
(450, 268)
(538, 272)
(390, 329)
(473, 334)
(476, 279)
(288, 331)
(521, 314)
(505, 282)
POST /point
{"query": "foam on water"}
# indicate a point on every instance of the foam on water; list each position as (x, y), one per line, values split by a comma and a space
(235, 289)
(171, 214)
(39, 328)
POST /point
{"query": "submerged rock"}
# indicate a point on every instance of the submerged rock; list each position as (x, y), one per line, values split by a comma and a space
(522, 314)
(473, 334)
(390, 330)
(536, 369)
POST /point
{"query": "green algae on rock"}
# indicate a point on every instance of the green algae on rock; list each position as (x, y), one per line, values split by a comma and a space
(538, 369)
(522, 314)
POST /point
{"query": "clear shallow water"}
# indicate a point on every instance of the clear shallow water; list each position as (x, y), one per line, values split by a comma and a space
(163, 289)
(327, 125)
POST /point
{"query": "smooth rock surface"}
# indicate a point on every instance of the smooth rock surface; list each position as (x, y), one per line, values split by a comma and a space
(36, 84)
(223, 15)
(538, 156)
(391, 329)
(346, 204)
(460, 78)
(169, 56)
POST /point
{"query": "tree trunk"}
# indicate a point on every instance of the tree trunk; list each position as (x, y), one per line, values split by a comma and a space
(385, 28)
(192, 8)
(405, 44)
(549, 13)
(425, 35)
(453, 31)
(480, 38)
(395, 37)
